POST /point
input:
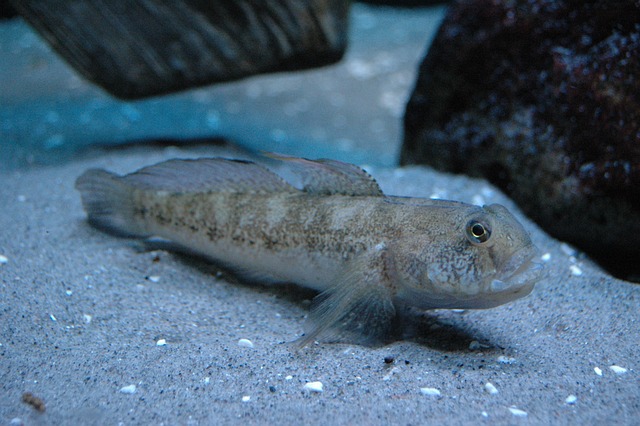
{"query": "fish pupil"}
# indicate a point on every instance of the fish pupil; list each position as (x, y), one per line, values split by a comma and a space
(478, 232)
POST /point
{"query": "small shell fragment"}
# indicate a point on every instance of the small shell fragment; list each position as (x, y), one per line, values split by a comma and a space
(314, 387)
(575, 270)
(490, 388)
(161, 342)
(617, 369)
(571, 399)
(518, 412)
(390, 373)
(245, 343)
(153, 278)
(545, 257)
(567, 249)
(3, 259)
(478, 200)
(477, 346)
(430, 391)
(506, 359)
(246, 398)
(598, 371)
(128, 389)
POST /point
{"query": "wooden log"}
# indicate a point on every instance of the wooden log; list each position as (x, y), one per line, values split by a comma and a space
(138, 48)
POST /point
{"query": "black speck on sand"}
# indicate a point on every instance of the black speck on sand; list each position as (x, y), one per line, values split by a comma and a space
(81, 313)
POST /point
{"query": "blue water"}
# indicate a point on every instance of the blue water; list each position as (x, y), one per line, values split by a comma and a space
(351, 111)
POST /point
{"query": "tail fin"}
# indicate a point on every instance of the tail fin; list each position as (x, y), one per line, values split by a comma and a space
(108, 201)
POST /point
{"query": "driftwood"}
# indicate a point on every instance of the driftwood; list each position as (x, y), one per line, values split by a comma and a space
(137, 48)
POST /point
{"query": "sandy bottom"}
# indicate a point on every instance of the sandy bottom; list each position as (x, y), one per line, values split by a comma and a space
(83, 316)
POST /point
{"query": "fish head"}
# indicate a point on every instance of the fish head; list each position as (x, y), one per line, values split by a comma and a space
(483, 259)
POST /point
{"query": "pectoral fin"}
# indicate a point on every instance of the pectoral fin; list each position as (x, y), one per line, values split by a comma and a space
(359, 307)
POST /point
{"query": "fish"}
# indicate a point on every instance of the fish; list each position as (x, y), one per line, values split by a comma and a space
(327, 226)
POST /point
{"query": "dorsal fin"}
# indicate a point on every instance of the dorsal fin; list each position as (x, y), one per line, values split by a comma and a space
(327, 177)
(208, 174)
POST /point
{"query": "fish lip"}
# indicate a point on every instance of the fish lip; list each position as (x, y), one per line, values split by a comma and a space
(520, 275)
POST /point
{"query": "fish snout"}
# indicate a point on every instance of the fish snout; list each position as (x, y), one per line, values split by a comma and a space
(519, 274)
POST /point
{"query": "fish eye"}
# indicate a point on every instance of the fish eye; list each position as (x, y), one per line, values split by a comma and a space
(478, 232)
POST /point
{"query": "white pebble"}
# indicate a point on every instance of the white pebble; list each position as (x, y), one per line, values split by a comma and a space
(490, 388)
(430, 391)
(69, 292)
(87, 318)
(153, 278)
(246, 398)
(207, 380)
(518, 412)
(575, 270)
(3, 259)
(16, 421)
(314, 387)
(485, 414)
(390, 373)
(438, 193)
(478, 200)
(571, 399)
(245, 343)
(288, 378)
(161, 342)
(53, 318)
(598, 371)
(487, 192)
(506, 360)
(567, 249)
(128, 389)
(476, 346)
(545, 257)
(617, 369)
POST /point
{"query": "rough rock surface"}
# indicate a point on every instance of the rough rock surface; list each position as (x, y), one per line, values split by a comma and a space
(139, 48)
(543, 99)
(405, 3)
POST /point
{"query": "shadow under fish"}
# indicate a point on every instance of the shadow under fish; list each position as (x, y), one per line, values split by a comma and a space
(327, 227)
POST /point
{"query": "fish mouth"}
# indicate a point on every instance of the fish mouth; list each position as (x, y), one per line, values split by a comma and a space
(516, 280)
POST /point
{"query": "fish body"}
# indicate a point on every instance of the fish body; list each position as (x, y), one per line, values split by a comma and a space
(367, 253)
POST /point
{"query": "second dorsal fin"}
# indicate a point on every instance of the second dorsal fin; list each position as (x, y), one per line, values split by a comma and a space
(327, 177)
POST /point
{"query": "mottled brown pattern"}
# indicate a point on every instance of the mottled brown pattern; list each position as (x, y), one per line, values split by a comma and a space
(364, 252)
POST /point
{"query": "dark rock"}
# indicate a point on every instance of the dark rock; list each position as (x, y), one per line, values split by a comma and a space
(6, 10)
(404, 3)
(542, 98)
(137, 48)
